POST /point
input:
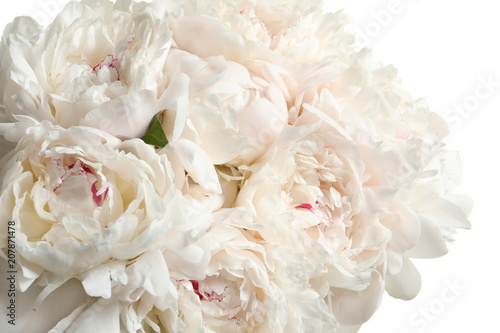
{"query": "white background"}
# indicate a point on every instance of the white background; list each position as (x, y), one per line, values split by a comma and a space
(445, 50)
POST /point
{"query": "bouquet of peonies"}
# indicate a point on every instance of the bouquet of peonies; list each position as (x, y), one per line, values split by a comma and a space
(213, 166)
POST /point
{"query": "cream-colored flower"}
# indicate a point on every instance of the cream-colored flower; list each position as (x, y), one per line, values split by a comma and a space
(280, 32)
(228, 290)
(85, 204)
(99, 64)
(321, 178)
(237, 295)
(362, 208)
(233, 114)
(366, 97)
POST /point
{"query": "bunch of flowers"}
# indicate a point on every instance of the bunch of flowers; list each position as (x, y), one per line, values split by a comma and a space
(214, 166)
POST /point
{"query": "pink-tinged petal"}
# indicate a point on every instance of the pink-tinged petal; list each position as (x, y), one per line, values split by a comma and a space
(305, 206)
(213, 296)
(208, 296)
(107, 61)
(98, 199)
(196, 289)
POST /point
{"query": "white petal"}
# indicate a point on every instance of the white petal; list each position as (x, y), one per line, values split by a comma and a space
(205, 37)
(322, 116)
(126, 117)
(97, 282)
(198, 164)
(448, 214)
(431, 243)
(149, 273)
(406, 284)
(175, 103)
(356, 307)
(101, 317)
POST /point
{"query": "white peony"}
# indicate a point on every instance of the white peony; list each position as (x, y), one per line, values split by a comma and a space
(321, 179)
(366, 97)
(279, 32)
(355, 216)
(86, 204)
(227, 105)
(99, 64)
(229, 291)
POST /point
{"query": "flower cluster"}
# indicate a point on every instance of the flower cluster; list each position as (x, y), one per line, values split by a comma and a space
(296, 179)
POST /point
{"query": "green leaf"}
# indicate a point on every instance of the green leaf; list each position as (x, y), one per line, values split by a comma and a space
(156, 135)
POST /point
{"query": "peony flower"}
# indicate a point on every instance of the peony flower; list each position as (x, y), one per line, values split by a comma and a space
(236, 295)
(279, 32)
(87, 206)
(228, 105)
(230, 291)
(366, 97)
(144, 279)
(99, 64)
(352, 219)
(320, 178)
